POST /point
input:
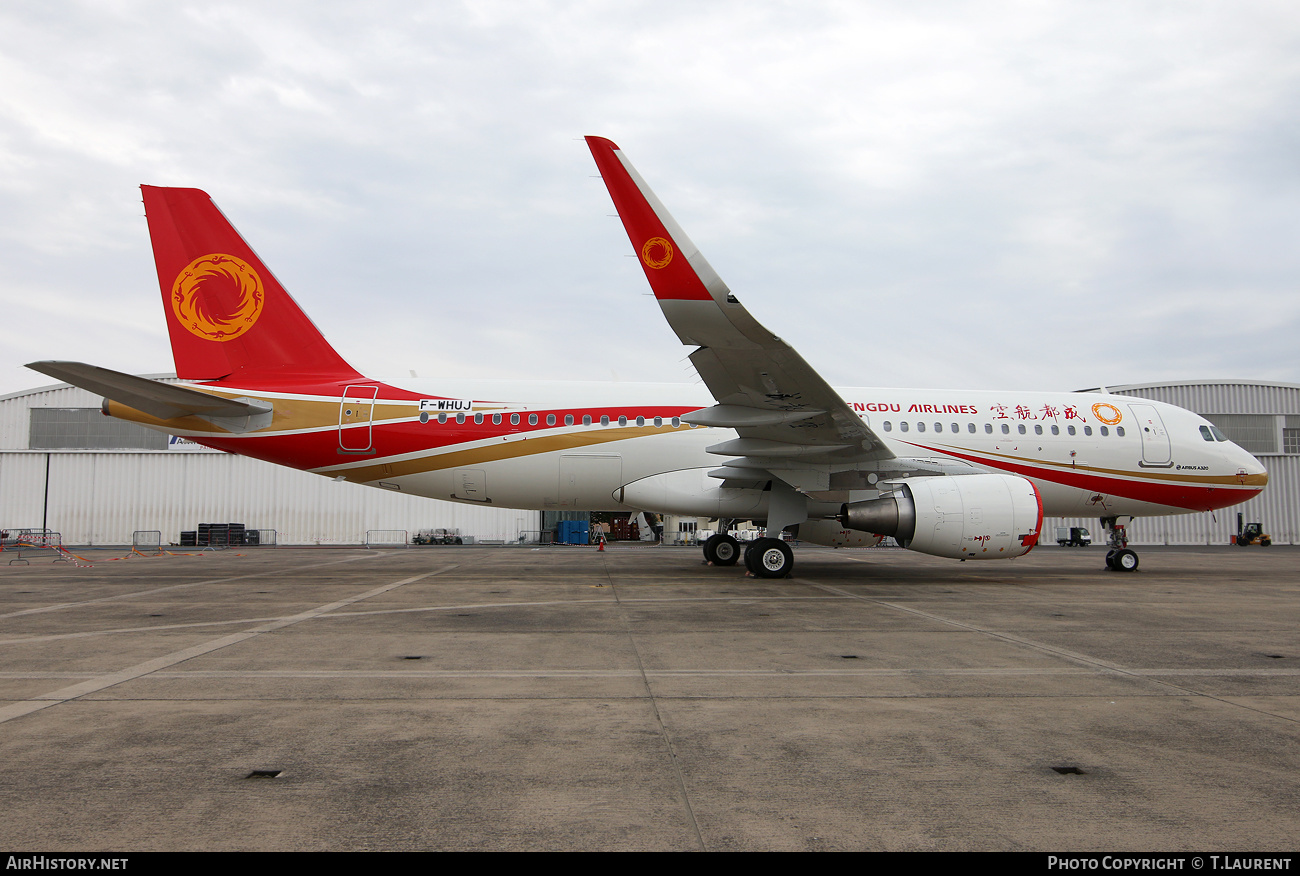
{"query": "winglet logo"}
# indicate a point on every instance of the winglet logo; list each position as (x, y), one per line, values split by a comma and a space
(1107, 413)
(657, 253)
(218, 297)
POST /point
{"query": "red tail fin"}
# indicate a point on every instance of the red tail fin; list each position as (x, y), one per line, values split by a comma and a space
(226, 312)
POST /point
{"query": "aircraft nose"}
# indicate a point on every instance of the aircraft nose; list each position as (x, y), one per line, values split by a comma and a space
(1251, 469)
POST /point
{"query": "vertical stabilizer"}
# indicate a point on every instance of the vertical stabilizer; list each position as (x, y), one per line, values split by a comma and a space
(226, 313)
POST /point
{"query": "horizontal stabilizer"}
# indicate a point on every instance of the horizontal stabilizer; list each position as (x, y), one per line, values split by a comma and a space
(160, 400)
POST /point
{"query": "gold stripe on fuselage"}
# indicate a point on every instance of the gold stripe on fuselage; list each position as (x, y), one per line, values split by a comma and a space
(1158, 476)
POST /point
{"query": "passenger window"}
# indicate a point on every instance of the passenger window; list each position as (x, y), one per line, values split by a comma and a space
(920, 427)
(1021, 428)
(478, 419)
(604, 421)
(1056, 430)
(640, 421)
(1070, 429)
(568, 419)
(988, 428)
(514, 419)
(938, 427)
(659, 421)
(622, 421)
(1119, 430)
(1087, 430)
(496, 419)
(677, 422)
(956, 428)
(889, 427)
(970, 427)
(460, 419)
(550, 419)
(902, 427)
(1038, 430)
(1105, 431)
(532, 419)
(586, 419)
(1006, 430)
(442, 418)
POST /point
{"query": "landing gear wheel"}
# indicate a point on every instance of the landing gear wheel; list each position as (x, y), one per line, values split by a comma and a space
(1125, 561)
(1110, 559)
(721, 550)
(770, 558)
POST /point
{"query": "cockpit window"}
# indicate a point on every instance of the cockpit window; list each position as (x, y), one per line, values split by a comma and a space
(1218, 436)
(1206, 434)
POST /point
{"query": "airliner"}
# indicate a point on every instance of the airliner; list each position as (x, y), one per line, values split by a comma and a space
(951, 473)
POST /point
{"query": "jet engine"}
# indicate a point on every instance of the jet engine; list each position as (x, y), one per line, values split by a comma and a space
(972, 517)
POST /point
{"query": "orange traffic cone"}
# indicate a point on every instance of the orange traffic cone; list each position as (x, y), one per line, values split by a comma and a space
(602, 545)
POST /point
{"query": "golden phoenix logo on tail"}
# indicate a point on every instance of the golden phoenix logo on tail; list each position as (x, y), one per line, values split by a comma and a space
(662, 258)
(218, 297)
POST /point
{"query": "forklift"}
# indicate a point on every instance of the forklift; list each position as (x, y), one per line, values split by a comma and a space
(1251, 533)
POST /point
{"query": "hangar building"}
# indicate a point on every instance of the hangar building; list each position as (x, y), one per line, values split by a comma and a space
(66, 467)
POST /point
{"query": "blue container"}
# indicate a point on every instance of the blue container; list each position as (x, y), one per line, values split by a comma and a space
(572, 532)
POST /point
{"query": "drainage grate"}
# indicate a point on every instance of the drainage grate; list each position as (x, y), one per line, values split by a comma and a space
(848, 656)
(1069, 771)
(413, 657)
(263, 774)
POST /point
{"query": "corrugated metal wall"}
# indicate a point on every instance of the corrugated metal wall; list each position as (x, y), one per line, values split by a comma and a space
(1221, 397)
(102, 497)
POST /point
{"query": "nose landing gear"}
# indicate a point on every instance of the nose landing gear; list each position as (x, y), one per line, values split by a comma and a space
(1119, 558)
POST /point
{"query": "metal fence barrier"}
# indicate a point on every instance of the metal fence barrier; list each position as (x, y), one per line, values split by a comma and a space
(147, 543)
(387, 538)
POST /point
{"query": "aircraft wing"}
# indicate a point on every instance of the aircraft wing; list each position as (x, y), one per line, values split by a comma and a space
(781, 408)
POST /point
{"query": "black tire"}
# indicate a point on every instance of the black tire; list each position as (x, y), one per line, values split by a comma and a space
(726, 550)
(770, 558)
(1126, 561)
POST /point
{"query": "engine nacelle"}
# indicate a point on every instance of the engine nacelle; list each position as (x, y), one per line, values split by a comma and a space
(972, 517)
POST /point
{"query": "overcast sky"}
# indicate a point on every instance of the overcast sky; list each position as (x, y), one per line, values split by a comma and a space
(1015, 195)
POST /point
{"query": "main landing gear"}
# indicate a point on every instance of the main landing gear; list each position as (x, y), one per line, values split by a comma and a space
(764, 557)
(1119, 558)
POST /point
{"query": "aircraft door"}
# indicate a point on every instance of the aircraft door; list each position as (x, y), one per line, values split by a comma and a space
(1155, 439)
(355, 411)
